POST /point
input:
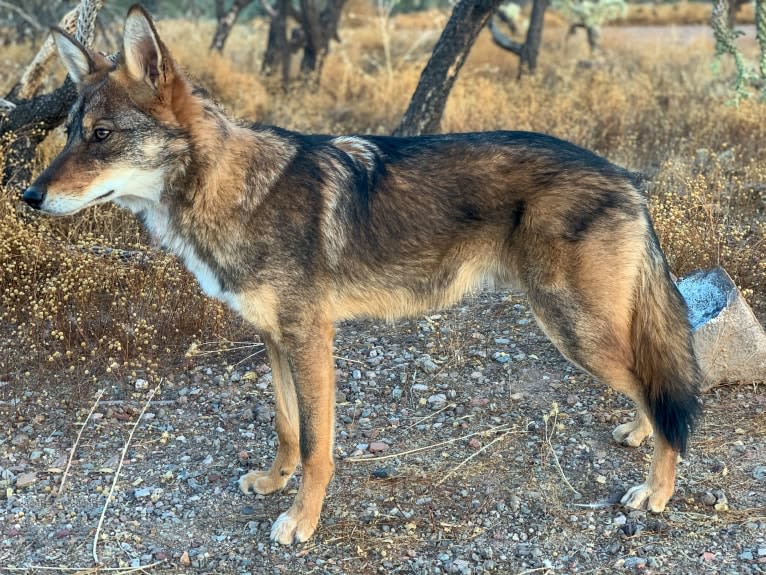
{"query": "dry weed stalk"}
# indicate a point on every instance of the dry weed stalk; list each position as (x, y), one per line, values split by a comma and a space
(550, 431)
(77, 441)
(470, 457)
(85, 570)
(117, 471)
(502, 428)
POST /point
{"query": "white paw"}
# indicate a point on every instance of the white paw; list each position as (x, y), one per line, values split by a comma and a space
(630, 434)
(260, 482)
(643, 497)
(288, 530)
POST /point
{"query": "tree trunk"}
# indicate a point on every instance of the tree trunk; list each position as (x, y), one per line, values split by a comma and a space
(277, 52)
(313, 35)
(29, 122)
(530, 49)
(734, 6)
(28, 117)
(424, 113)
(534, 36)
(226, 22)
(318, 29)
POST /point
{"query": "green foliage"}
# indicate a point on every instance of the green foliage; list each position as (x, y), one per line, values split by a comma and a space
(591, 14)
(746, 80)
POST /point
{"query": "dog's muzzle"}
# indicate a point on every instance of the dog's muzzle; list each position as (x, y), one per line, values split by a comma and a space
(34, 196)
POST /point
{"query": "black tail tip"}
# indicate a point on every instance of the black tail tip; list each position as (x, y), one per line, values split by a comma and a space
(675, 417)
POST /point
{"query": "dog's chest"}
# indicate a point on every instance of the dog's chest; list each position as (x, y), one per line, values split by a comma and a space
(158, 224)
(206, 277)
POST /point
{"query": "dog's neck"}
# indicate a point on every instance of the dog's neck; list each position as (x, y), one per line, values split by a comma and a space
(226, 173)
(154, 215)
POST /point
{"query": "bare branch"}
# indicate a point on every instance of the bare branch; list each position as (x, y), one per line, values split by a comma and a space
(80, 21)
(26, 16)
(502, 40)
(269, 8)
(507, 21)
(86, 21)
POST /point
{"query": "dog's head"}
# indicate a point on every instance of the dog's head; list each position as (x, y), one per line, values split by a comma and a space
(124, 132)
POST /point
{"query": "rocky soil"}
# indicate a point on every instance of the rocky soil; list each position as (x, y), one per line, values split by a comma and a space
(465, 444)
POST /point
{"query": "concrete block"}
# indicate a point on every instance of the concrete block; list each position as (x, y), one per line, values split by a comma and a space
(729, 342)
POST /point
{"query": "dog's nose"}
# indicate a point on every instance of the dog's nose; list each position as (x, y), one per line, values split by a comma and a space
(34, 196)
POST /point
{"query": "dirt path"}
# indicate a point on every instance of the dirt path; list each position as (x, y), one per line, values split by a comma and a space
(669, 36)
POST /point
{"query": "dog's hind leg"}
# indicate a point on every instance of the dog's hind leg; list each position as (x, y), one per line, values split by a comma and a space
(310, 357)
(287, 427)
(596, 344)
(656, 491)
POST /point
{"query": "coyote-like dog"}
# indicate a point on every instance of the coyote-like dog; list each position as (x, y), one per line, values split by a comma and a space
(295, 232)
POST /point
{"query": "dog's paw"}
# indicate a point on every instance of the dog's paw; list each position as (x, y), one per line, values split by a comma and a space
(261, 482)
(292, 528)
(631, 434)
(644, 497)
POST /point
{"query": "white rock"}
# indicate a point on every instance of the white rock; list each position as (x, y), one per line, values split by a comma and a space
(729, 342)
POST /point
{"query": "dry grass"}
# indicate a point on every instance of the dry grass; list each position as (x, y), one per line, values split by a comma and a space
(678, 13)
(649, 104)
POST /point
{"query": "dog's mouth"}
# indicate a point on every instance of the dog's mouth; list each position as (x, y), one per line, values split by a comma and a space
(94, 201)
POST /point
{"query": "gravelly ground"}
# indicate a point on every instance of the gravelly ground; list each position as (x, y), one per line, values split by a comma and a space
(455, 501)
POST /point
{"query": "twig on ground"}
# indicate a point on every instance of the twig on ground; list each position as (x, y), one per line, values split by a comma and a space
(77, 441)
(429, 416)
(84, 570)
(498, 429)
(159, 402)
(196, 353)
(349, 359)
(535, 570)
(470, 457)
(549, 436)
(596, 505)
(243, 360)
(117, 472)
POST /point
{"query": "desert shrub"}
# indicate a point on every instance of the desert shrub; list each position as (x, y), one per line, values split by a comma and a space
(69, 312)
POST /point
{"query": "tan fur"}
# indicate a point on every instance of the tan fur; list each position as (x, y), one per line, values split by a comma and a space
(287, 427)
(261, 307)
(474, 270)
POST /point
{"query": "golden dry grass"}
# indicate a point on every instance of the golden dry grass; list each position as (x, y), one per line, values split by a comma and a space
(650, 102)
(678, 13)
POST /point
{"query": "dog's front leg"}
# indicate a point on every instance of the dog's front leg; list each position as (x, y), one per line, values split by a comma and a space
(311, 363)
(287, 427)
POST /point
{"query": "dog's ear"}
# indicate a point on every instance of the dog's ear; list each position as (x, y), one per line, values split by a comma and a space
(146, 57)
(79, 61)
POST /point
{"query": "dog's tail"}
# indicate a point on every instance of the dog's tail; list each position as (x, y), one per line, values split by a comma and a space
(662, 346)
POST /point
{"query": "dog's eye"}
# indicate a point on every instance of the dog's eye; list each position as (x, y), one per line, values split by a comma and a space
(101, 134)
